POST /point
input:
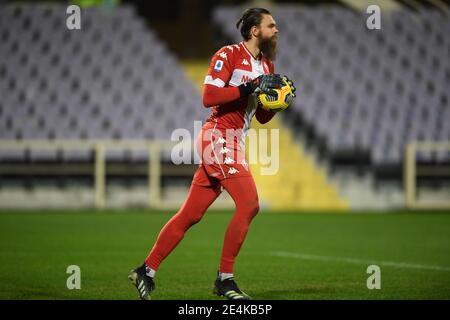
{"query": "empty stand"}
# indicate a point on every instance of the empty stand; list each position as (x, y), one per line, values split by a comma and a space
(113, 79)
(364, 92)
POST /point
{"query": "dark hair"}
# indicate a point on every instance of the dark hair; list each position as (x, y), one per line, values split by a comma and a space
(251, 17)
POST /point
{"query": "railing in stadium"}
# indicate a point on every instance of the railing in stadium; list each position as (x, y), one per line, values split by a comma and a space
(154, 149)
(413, 170)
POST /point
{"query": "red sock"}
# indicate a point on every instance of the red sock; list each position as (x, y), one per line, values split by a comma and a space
(244, 193)
(197, 202)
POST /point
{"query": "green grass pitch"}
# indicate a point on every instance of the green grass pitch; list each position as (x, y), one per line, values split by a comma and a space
(285, 256)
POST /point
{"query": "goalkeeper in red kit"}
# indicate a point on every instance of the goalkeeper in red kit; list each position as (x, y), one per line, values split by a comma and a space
(236, 72)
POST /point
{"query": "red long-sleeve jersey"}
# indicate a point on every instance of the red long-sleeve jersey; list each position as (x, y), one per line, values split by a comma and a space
(230, 67)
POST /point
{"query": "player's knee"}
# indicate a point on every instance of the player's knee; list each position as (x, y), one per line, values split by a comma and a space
(251, 207)
(255, 208)
(187, 219)
(195, 219)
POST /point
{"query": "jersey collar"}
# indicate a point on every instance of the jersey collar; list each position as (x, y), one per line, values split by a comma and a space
(248, 51)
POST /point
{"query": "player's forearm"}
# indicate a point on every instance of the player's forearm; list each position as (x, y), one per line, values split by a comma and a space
(213, 95)
(264, 116)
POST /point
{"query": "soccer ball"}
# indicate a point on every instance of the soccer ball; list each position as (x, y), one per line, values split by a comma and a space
(280, 101)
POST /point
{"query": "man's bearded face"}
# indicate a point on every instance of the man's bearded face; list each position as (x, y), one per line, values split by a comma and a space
(268, 36)
(268, 46)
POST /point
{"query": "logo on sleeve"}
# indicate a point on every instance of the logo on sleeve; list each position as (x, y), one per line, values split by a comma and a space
(223, 55)
(218, 66)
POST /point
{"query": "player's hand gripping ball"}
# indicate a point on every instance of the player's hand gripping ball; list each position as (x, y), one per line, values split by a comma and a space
(278, 99)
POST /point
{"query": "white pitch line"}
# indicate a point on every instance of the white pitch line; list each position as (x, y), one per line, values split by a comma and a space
(359, 261)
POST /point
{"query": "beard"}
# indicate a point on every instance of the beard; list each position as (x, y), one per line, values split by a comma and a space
(268, 47)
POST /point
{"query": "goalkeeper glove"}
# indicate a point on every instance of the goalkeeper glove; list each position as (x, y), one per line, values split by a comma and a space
(264, 83)
(291, 84)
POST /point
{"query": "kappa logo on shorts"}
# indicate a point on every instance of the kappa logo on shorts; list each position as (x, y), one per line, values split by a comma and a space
(221, 141)
(229, 160)
(233, 170)
(224, 150)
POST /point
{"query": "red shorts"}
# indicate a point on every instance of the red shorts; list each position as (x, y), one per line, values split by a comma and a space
(222, 157)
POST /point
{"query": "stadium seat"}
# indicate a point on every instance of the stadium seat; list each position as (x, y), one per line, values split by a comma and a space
(395, 82)
(98, 83)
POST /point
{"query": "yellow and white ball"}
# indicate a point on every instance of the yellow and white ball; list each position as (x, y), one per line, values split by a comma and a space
(278, 102)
